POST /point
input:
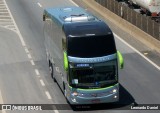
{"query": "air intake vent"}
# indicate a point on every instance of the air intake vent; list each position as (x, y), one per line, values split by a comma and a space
(78, 18)
(66, 9)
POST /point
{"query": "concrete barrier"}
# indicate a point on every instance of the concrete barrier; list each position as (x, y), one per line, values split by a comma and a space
(126, 26)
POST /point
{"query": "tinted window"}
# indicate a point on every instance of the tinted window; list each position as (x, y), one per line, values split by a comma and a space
(99, 75)
(91, 46)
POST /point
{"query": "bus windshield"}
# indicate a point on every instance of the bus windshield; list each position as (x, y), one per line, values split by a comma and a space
(98, 76)
(91, 46)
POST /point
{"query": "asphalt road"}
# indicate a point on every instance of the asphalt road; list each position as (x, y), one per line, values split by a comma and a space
(22, 82)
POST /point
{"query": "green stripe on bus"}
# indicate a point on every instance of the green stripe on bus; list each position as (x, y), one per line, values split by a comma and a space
(121, 60)
(65, 59)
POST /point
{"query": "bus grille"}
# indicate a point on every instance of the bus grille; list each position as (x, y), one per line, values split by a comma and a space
(95, 94)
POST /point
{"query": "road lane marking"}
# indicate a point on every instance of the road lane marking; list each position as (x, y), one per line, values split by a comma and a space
(74, 3)
(4, 16)
(4, 12)
(56, 111)
(32, 62)
(26, 50)
(5, 19)
(29, 56)
(145, 53)
(48, 95)
(17, 29)
(37, 72)
(42, 83)
(155, 65)
(39, 4)
(10, 26)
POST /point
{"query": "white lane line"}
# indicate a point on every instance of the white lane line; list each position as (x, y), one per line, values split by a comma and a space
(4, 12)
(56, 111)
(18, 31)
(1, 101)
(42, 83)
(6, 22)
(5, 19)
(26, 50)
(145, 53)
(32, 62)
(2, 6)
(9, 26)
(155, 65)
(74, 3)
(29, 56)
(37, 72)
(48, 95)
(5, 15)
(39, 4)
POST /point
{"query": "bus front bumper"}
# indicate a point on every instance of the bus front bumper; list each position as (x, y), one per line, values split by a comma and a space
(95, 97)
(94, 100)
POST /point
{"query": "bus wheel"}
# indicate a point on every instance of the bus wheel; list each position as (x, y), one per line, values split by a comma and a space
(49, 63)
(51, 71)
(64, 89)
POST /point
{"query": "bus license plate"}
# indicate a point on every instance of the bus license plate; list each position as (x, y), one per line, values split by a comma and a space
(96, 101)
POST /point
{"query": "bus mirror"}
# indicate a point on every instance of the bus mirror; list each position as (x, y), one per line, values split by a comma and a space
(65, 61)
(120, 59)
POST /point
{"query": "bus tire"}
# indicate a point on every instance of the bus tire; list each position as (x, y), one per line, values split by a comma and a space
(49, 63)
(64, 89)
(51, 71)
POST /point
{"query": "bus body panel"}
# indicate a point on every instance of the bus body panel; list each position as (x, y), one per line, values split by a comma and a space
(57, 33)
(53, 43)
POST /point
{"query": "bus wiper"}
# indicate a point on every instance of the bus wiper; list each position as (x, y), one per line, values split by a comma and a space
(109, 81)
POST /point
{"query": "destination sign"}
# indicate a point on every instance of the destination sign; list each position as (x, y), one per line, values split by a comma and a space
(82, 65)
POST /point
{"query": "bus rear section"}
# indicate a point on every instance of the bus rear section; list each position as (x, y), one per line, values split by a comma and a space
(89, 68)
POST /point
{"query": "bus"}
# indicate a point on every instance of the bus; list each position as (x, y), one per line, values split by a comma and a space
(82, 55)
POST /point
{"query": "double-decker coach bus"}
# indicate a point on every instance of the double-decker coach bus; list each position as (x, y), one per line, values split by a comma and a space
(82, 55)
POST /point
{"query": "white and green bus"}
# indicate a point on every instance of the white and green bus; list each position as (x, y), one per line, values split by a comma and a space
(82, 55)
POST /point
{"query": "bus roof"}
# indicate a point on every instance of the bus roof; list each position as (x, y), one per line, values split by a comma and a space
(87, 29)
(72, 14)
(78, 20)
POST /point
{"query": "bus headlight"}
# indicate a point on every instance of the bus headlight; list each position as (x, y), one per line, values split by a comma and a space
(74, 94)
(115, 96)
(73, 100)
(114, 90)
